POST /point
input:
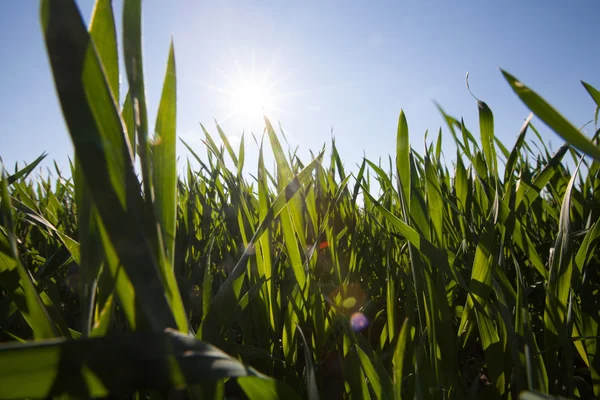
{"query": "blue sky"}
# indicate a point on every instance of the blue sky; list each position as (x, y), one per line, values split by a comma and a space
(348, 66)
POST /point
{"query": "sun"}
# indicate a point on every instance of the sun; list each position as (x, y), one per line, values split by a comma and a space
(251, 100)
(250, 90)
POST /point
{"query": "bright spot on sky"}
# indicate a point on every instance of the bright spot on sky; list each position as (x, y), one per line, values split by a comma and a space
(251, 100)
(248, 93)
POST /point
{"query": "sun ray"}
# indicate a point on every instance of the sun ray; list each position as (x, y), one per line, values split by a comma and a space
(258, 90)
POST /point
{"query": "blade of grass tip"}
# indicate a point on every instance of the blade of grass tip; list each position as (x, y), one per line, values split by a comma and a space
(104, 36)
(225, 141)
(24, 172)
(552, 118)
(127, 115)
(514, 153)
(559, 283)
(164, 162)
(97, 131)
(486, 129)
(20, 285)
(532, 192)
(435, 203)
(242, 156)
(403, 162)
(595, 94)
(438, 146)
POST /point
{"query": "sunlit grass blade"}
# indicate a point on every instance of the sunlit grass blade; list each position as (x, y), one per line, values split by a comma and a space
(552, 118)
(104, 35)
(225, 141)
(595, 94)
(164, 162)
(97, 131)
(403, 160)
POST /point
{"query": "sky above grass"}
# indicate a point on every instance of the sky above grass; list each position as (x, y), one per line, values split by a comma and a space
(346, 67)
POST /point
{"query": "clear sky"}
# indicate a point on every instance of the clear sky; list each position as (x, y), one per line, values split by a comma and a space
(349, 66)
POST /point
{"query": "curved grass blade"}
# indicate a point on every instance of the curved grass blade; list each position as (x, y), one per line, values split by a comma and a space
(595, 94)
(552, 118)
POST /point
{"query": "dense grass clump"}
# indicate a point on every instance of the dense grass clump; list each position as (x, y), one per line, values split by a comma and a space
(476, 280)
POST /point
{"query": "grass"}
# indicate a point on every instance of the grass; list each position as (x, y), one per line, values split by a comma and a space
(475, 281)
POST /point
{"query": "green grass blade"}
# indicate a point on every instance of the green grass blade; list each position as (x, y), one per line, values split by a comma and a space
(403, 159)
(104, 36)
(311, 382)
(559, 288)
(97, 131)
(225, 141)
(400, 358)
(15, 279)
(24, 172)
(132, 49)
(552, 118)
(267, 389)
(486, 128)
(595, 94)
(164, 163)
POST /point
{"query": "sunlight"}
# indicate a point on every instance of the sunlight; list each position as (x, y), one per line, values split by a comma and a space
(251, 100)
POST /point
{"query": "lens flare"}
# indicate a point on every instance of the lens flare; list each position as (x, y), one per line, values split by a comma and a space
(358, 321)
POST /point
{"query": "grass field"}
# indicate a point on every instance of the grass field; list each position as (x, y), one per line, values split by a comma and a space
(478, 279)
